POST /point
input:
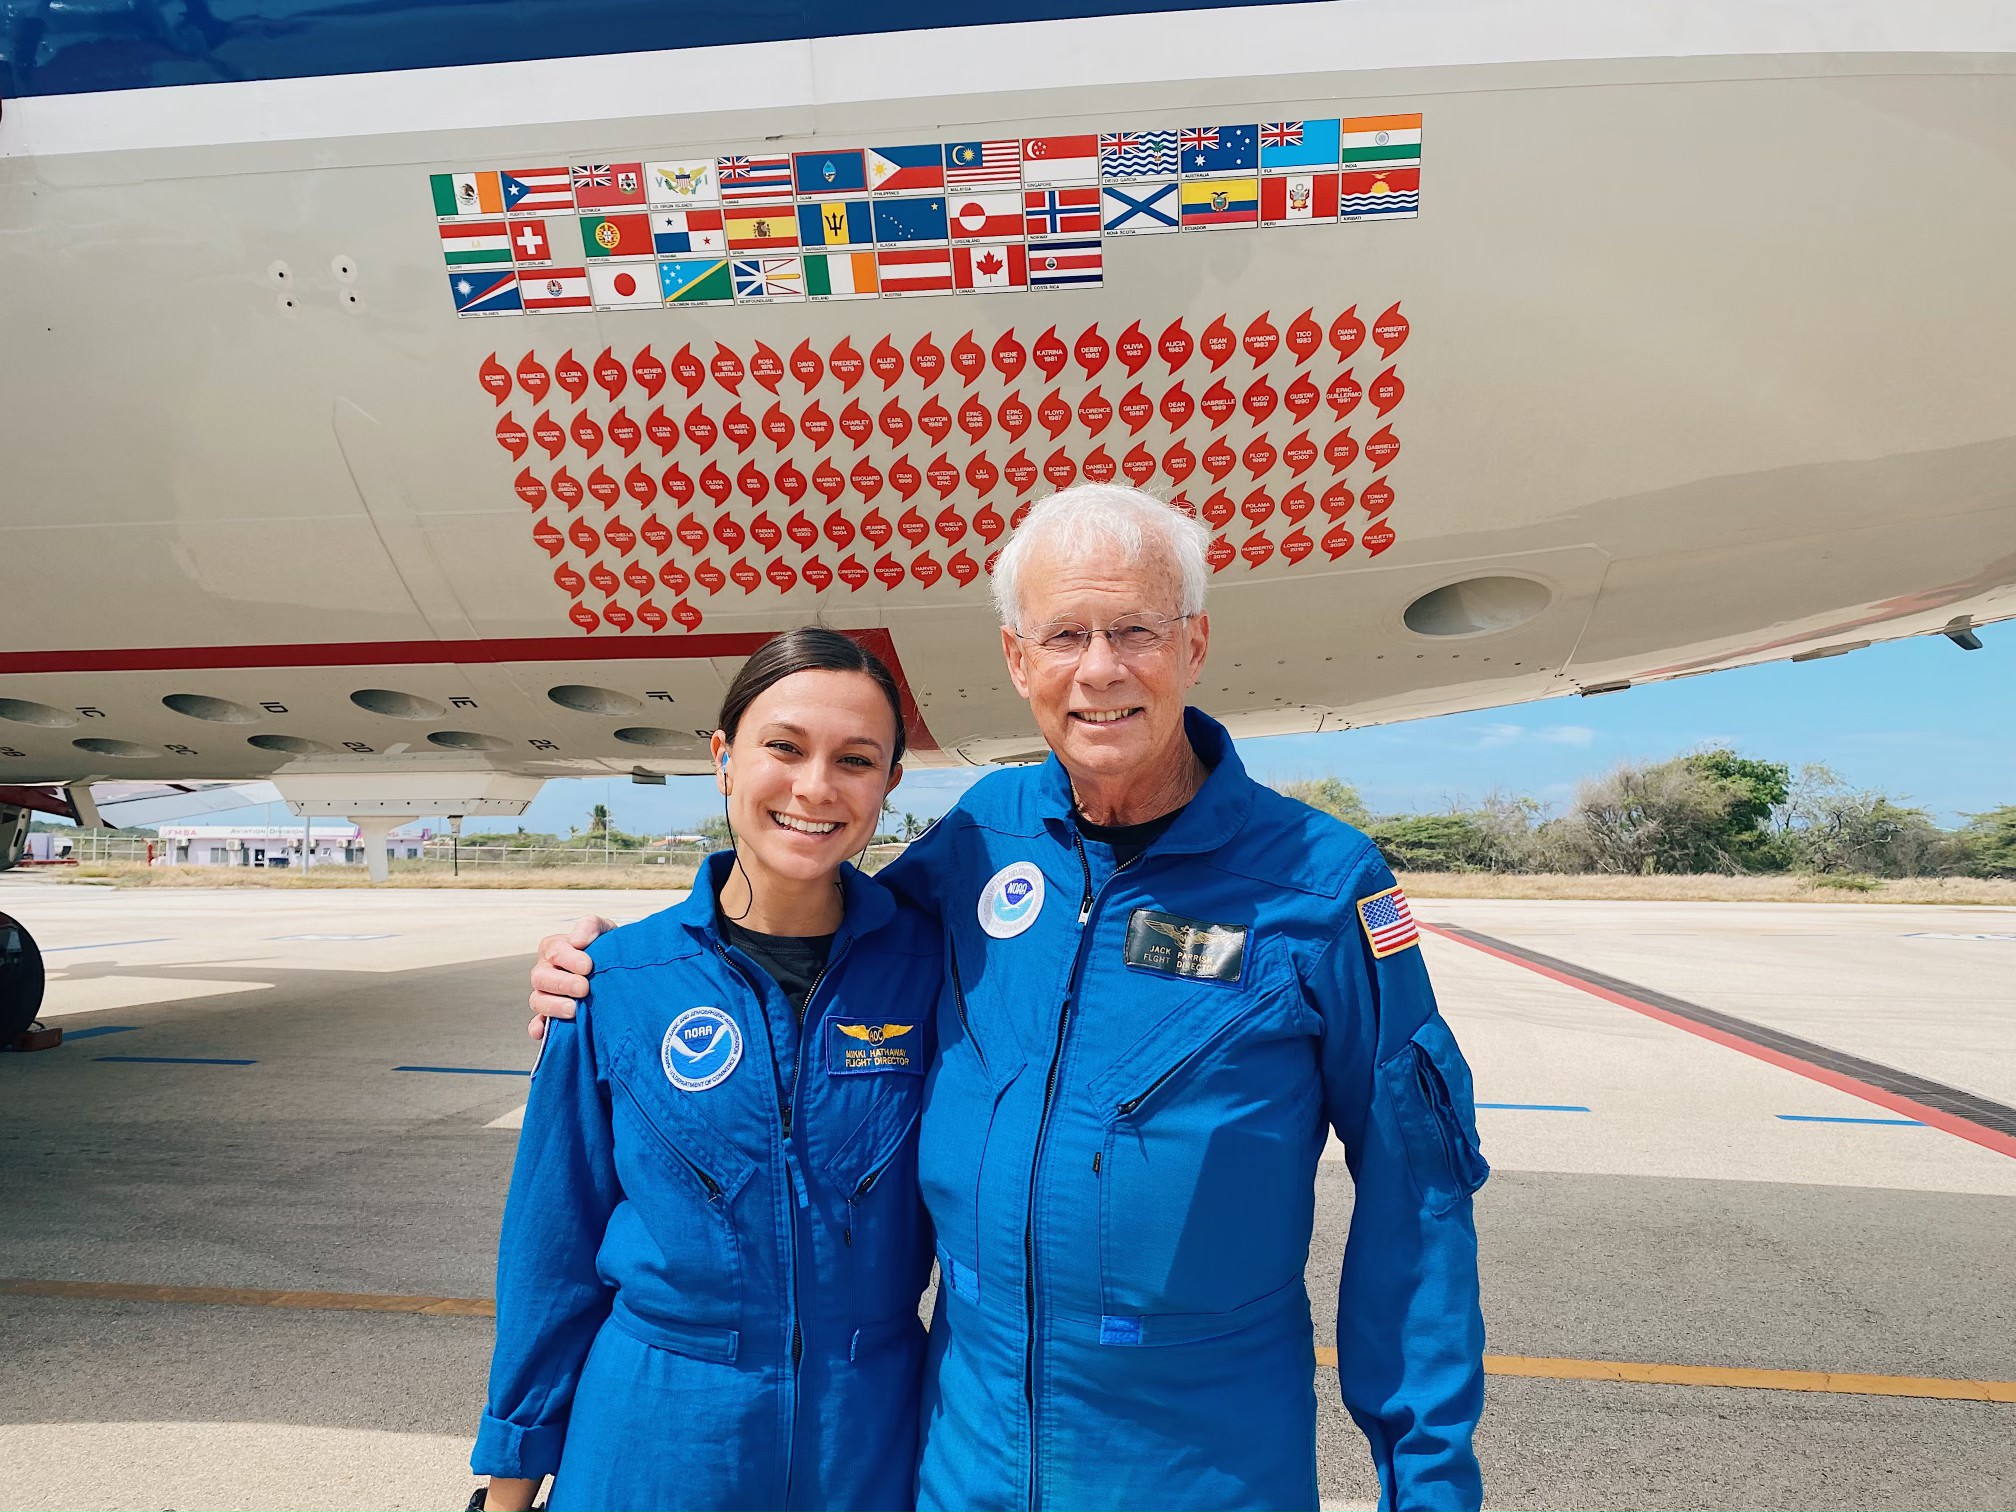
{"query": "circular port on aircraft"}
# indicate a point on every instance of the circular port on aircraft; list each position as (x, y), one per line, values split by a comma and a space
(1477, 606)
(215, 710)
(125, 749)
(21, 711)
(584, 698)
(467, 740)
(396, 705)
(290, 745)
(653, 735)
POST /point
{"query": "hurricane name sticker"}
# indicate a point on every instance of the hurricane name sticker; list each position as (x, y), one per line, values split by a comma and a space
(1011, 900)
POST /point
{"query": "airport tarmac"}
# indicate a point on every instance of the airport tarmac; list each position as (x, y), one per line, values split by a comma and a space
(1757, 1160)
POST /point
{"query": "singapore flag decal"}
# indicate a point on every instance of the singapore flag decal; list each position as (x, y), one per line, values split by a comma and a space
(989, 266)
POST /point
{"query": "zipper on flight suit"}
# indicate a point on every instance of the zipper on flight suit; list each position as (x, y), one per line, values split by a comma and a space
(1085, 907)
(801, 1197)
(959, 1002)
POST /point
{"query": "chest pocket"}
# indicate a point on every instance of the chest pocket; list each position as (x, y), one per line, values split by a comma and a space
(1211, 1123)
(682, 1178)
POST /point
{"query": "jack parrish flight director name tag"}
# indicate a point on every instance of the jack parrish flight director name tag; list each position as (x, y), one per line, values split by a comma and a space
(1185, 947)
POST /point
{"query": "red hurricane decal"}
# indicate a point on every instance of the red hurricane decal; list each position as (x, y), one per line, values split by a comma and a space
(1301, 398)
(1220, 554)
(739, 428)
(1257, 506)
(1053, 414)
(583, 535)
(783, 576)
(1049, 355)
(942, 476)
(1008, 356)
(817, 425)
(753, 483)
(656, 535)
(610, 375)
(1091, 350)
(714, 483)
(1095, 412)
(568, 580)
(726, 366)
(1386, 391)
(639, 484)
(817, 573)
(926, 360)
(675, 577)
(571, 376)
(729, 534)
(963, 569)
(1217, 510)
(974, 418)
(988, 524)
(1258, 548)
(1336, 541)
(678, 484)
(1347, 333)
(764, 532)
(687, 370)
(1133, 349)
(791, 482)
(1382, 446)
(1218, 343)
(1378, 536)
(855, 424)
(845, 364)
(551, 438)
(701, 429)
(766, 367)
(653, 617)
(747, 578)
(1136, 410)
(625, 432)
(1298, 503)
(982, 475)
(710, 577)
(888, 571)
(1259, 455)
(802, 532)
(925, 568)
(663, 431)
(935, 421)
(1259, 400)
(1059, 469)
(1178, 406)
(1218, 459)
(886, 363)
(692, 534)
(1260, 339)
(495, 379)
(686, 615)
(827, 482)
(1100, 467)
(806, 365)
(1015, 416)
(1304, 336)
(876, 529)
(968, 361)
(585, 617)
(1138, 466)
(894, 422)
(905, 479)
(566, 489)
(533, 377)
(950, 525)
(587, 434)
(550, 540)
(1297, 546)
(530, 489)
(1175, 344)
(912, 526)
(604, 488)
(778, 426)
(649, 372)
(618, 616)
(1218, 404)
(1377, 498)
(511, 436)
(866, 478)
(1343, 394)
(1179, 462)
(1390, 332)
(839, 529)
(638, 576)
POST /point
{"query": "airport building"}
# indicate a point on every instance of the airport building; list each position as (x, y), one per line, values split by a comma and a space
(279, 845)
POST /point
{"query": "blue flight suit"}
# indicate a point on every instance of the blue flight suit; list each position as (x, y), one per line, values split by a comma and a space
(1137, 1072)
(708, 1279)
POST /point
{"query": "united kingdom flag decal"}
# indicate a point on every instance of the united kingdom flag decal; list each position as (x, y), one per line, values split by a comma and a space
(1389, 923)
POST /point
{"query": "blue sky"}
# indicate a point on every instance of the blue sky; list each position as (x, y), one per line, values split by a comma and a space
(1920, 719)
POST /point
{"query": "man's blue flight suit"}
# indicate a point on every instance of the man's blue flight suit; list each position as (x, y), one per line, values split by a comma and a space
(1137, 1071)
(708, 1278)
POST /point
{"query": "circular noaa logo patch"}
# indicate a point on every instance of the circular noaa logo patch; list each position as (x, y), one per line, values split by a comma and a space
(1011, 900)
(701, 1048)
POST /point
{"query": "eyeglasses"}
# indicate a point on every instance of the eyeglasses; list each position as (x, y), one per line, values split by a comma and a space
(1132, 636)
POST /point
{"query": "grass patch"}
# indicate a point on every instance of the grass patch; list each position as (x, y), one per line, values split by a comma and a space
(1786, 887)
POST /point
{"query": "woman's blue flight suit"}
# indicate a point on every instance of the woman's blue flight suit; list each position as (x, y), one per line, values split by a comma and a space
(708, 1279)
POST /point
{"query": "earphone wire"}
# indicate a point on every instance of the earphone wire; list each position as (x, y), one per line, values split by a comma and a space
(735, 845)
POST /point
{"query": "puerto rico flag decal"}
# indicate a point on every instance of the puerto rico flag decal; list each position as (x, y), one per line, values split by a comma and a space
(1389, 923)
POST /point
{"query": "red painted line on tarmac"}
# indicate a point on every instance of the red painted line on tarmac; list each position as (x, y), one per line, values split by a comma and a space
(554, 648)
(1938, 1118)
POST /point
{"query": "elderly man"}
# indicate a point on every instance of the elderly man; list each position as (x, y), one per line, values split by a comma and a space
(1166, 984)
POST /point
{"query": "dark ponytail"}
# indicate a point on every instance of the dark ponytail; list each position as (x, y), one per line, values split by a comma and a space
(810, 648)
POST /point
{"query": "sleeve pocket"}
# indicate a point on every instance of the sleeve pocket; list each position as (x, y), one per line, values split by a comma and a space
(1428, 1087)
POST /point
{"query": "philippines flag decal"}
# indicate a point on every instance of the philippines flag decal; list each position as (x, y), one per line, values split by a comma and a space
(1389, 923)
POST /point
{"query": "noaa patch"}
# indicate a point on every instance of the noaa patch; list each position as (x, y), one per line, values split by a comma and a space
(1011, 900)
(701, 1048)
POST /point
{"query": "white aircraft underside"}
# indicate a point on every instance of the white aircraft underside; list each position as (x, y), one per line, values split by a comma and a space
(1705, 356)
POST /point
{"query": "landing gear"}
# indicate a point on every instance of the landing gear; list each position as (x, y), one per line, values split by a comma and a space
(20, 983)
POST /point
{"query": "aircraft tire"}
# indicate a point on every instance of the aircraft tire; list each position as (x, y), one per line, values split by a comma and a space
(21, 979)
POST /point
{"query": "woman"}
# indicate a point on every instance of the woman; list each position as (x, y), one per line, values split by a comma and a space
(713, 1246)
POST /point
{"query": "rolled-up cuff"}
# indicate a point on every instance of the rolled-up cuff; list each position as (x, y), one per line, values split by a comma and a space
(514, 1450)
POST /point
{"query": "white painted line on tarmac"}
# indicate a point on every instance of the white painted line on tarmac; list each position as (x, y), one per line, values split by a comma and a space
(515, 1119)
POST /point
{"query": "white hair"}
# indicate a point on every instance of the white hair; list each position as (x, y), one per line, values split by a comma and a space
(1138, 523)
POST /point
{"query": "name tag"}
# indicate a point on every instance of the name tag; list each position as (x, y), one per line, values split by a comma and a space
(859, 1047)
(1185, 947)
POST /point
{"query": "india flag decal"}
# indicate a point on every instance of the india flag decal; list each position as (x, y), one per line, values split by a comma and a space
(1382, 139)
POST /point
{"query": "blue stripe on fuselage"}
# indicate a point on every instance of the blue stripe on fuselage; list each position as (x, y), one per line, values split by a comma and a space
(96, 45)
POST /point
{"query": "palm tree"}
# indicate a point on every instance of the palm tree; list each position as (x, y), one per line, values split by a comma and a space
(598, 819)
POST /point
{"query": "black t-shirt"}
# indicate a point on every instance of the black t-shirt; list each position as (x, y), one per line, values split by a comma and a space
(792, 961)
(1128, 840)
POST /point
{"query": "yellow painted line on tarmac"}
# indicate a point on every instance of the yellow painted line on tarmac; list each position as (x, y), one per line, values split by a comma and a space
(1532, 1366)
(1844, 1383)
(247, 1296)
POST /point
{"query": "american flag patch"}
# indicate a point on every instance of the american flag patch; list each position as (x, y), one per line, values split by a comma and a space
(1389, 923)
